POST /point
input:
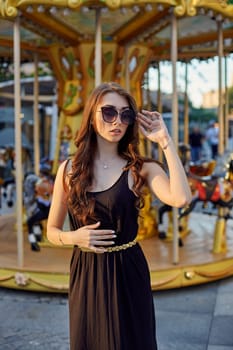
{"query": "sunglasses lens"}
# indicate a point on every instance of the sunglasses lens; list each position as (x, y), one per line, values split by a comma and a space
(128, 116)
(109, 114)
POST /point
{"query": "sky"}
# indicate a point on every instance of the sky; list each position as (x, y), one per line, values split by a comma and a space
(202, 77)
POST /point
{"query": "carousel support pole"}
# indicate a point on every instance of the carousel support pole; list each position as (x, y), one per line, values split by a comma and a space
(159, 104)
(53, 128)
(220, 97)
(220, 239)
(18, 144)
(98, 48)
(159, 95)
(36, 137)
(127, 77)
(174, 126)
(226, 108)
(186, 107)
(148, 98)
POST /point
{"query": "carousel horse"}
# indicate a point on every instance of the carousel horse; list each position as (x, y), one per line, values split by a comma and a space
(207, 187)
(37, 199)
(218, 190)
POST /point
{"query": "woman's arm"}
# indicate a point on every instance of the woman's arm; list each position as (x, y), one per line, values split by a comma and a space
(174, 189)
(58, 211)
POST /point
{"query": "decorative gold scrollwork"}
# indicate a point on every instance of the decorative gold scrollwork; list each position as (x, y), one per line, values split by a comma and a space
(74, 3)
(180, 8)
(191, 7)
(215, 274)
(7, 9)
(6, 278)
(164, 281)
(109, 3)
(218, 5)
(113, 3)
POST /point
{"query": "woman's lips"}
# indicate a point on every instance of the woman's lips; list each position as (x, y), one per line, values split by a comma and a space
(115, 131)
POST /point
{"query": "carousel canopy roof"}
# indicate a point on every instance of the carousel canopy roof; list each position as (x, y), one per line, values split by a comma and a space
(68, 23)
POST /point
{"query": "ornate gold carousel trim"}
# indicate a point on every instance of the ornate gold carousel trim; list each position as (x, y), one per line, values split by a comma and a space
(10, 8)
(175, 277)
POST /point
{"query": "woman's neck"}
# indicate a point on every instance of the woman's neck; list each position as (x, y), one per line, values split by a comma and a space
(106, 151)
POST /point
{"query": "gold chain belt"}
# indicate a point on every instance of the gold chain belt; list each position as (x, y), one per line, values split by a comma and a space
(116, 248)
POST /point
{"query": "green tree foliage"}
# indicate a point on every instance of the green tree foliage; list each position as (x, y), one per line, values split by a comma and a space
(202, 115)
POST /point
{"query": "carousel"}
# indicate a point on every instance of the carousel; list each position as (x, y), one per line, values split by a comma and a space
(84, 43)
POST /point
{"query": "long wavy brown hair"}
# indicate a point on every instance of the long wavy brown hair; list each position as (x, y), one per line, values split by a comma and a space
(81, 177)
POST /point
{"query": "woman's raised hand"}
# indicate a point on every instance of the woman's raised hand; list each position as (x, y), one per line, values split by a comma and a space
(153, 127)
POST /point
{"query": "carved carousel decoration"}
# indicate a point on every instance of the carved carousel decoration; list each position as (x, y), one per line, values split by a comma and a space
(86, 42)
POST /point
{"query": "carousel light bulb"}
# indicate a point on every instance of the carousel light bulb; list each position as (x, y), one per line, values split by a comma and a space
(160, 7)
(202, 11)
(53, 10)
(66, 12)
(136, 9)
(148, 7)
(85, 9)
(29, 9)
(40, 9)
(210, 13)
(219, 18)
(123, 10)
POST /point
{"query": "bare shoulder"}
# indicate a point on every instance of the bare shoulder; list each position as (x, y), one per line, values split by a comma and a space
(64, 171)
(66, 166)
(152, 167)
(149, 166)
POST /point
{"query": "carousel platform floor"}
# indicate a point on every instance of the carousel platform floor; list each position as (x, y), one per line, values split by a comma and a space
(48, 270)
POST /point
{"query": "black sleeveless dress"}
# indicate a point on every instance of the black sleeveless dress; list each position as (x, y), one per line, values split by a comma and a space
(110, 300)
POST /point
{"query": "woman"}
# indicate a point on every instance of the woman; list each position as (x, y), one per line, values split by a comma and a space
(110, 299)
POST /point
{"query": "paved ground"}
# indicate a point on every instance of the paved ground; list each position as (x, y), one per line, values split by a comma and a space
(193, 318)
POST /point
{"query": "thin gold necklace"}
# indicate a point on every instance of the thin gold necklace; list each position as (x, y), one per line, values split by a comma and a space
(107, 165)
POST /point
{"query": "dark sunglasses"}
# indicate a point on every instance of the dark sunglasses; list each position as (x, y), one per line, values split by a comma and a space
(110, 114)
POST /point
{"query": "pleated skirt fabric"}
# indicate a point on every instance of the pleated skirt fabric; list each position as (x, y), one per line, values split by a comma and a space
(110, 301)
